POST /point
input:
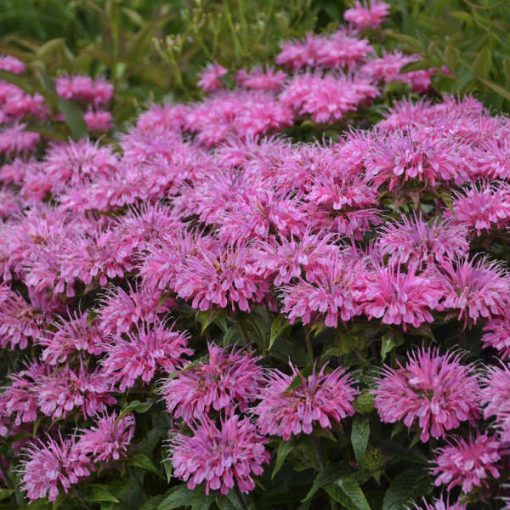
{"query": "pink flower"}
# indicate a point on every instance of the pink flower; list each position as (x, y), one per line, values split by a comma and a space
(65, 390)
(261, 79)
(84, 88)
(141, 353)
(77, 334)
(16, 140)
(476, 288)
(122, 310)
(467, 464)
(439, 504)
(221, 456)
(329, 292)
(109, 439)
(11, 64)
(98, 121)
(396, 297)
(321, 398)
(433, 391)
(229, 378)
(52, 467)
(367, 16)
(496, 334)
(415, 241)
(495, 396)
(210, 77)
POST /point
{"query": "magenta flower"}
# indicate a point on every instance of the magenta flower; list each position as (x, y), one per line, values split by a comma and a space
(229, 378)
(77, 334)
(210, 77)
(98, 121)
(11, 64)
(364, 16)
(432, 391)
(221, 456)
(141, 353)
(496, 334)
(84, 88)
(416, 241)
(396, 297)
(439, 504)
(495, 396)
(267, 80)
(467, 464)
(65, 390)
(52, 467)
(476, 289)
(107, 440)
(321, 398)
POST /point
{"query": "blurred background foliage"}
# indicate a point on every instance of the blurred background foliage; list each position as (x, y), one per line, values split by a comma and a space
(153, 49)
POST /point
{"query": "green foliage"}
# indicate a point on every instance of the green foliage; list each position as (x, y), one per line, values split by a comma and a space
(470, 37)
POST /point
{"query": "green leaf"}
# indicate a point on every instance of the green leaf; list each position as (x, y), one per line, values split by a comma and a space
(137, 407)
(143, 461)
(284, 449)
(405, 488)
(497, 88)
(325, 477)
(5, 494)
(389, 342)
(100, 494)
(17, 80)
(279, 325)
(169, 469)
(73, 116)
(506, 69)
(359, 437)
(352, 490)
(181, 497)
(152, 503)
(482, 64)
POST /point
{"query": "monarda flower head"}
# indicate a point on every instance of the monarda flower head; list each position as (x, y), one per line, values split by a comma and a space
(210, 77)
(477, 289)
(320, 399)
(467, 463)
(369, 15)
(496, 334)
(52, 467)
(438, 504)
(108, 439)
(434, 392)
(495, 396)
(223, 456)
(138, 354)
(228, 379)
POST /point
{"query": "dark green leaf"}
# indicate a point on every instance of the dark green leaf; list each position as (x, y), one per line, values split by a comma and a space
(406, 488)
(137, 407)
(389, 342)
(279, 325)
(143, 461)
(497, 88)
(482, 64)
(5, 494)
(73, 116)
(181, 497)
(359, 437)
(352, 490)
(284, 449)
(325, 477)
(100, 493)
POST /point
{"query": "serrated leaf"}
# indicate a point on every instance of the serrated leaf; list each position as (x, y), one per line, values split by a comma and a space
(181, 497)
(325, 477)
(100, 493)
(279, 325)
(406, 488)
(143, 461)
(352, 490)
(359, 437)
(284, 449)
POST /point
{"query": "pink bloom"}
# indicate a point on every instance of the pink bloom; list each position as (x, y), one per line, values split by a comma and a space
(52, 467)
(11, 64)
(165, 118)
(367, 16)
(433, 391)
(495, 396)
(77, 334)
(122, 310)
(477, 289)
(413, 240)
(439, 504)
(109, 439)
(10, 203)
(84, 88)
(221, 456)
(299, 54)
(483, 207)
(261, 79)
(65, 390)
(321, 398)
(15, 140)
(396, 297)
(210, 77)
(141, 353)
(386, 68)
(329, 292)
(229, 378)
(496, 334)
(467, 464)
(98, 121)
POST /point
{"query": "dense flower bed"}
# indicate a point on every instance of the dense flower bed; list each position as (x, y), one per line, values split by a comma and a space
(336, 309)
